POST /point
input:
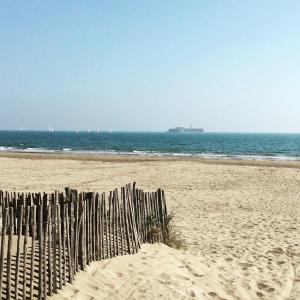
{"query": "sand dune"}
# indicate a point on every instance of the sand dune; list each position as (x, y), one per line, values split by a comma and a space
(240, 225)
(157, 271)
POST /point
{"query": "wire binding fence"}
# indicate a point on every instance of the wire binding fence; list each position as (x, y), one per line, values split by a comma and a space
(47, 238)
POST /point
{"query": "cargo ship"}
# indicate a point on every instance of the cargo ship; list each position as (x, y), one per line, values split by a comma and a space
(186, 130)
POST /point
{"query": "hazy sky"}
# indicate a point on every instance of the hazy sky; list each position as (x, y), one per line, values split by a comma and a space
(150, 65)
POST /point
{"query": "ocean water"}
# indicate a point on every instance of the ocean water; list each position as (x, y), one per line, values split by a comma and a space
(208, 145)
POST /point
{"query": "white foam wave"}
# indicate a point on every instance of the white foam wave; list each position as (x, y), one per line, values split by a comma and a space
(153, 153)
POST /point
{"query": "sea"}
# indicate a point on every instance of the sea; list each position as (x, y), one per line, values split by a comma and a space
(239, 146)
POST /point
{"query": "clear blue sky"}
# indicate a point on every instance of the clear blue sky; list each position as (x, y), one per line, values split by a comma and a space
(150, 65)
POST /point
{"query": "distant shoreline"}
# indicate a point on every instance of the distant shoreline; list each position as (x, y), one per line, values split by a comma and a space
(138, 158)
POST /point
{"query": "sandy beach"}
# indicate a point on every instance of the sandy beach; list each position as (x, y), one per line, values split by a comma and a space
(239, 221)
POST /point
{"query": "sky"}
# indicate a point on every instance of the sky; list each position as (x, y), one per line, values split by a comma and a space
(150, 65)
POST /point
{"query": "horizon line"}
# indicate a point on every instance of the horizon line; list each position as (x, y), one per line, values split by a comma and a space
(144, 131)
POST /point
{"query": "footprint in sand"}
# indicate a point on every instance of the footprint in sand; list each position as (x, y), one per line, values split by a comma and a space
(262, 286)
(192, 294)
(197, 274)
(212, 294)
(246, 265)
(164, 282)
(259, 294)
(228, 259)
(265, 287)
(165, 276)
(182, 277)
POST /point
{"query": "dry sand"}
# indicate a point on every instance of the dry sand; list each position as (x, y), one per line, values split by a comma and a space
(240, 223)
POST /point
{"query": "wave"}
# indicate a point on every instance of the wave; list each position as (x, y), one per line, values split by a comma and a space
(254, 157)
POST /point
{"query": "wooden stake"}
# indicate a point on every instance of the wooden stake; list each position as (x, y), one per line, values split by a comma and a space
(45, 253)
(41, 233)
(25, 252)
(50, 254)
(123, 196)
(19, 229)
(54, 249)
(59, 246)
(10, 230)
(68, 244)
(33, 236)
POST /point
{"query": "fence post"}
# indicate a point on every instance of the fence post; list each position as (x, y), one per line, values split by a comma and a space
(10, 230)
(33, 236)
(25, 251)
(3, 233)
(58, 224)
(19, 230)
(50, 249)
(45, 251)
(54, 241)
(68, 244)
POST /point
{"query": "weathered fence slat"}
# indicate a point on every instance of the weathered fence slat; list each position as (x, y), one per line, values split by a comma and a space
(63, 243)
(40, 231)
(25, 251)
(4, 221)
(19, 231)
(50, 249)
(45, 232)
(76, 234)
(126, 220)
(59, 247)
(10, 230)
(54, 247)
(33, 236)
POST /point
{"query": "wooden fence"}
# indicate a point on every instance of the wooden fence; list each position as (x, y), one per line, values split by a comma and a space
(47, 238)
